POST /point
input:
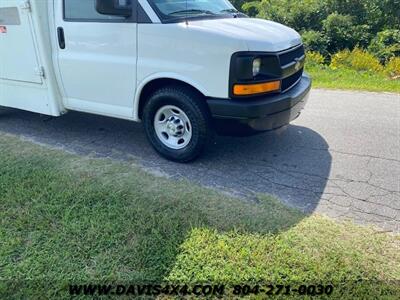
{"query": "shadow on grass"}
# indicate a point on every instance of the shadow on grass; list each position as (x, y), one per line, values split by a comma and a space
(70, 218)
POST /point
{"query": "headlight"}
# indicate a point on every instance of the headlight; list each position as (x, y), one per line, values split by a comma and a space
(256, 66)
(254, 73)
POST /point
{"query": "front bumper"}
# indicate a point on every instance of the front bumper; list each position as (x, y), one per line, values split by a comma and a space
(263, 113)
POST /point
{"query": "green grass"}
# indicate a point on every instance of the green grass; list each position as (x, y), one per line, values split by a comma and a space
(66, 218)
(314, 251)
(324, 77)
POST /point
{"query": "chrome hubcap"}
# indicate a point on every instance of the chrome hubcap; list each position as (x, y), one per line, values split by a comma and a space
(173, 127)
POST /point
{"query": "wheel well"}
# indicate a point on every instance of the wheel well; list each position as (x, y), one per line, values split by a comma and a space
(156, 84)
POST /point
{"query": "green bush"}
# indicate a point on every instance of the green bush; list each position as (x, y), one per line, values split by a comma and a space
(315, 59)
(251, 8)
(338, 30)
(386, 45)
(300, 15)
(336, 25)
(315, 41)
(340, 60)
(361, 35)
(392, 68)
(358, 60)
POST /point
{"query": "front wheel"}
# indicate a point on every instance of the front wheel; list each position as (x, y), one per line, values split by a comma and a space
(177, 123)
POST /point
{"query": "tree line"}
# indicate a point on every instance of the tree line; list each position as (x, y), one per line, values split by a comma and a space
(329, 26)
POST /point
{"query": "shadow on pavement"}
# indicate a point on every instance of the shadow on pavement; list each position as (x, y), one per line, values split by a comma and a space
(287, 163)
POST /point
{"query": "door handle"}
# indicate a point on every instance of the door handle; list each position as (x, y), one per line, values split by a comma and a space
(61, 37)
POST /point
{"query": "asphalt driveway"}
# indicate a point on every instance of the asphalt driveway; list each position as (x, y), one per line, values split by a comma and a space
(340, 158)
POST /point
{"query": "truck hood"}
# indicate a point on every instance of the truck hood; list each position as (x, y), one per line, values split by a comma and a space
(258, 34)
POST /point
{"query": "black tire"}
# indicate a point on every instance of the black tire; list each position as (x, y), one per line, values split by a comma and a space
(194, 106)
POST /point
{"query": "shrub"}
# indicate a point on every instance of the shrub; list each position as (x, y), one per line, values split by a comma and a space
(301, 15)
(393, 68)
(363, 61)
(251, 8)
(361, 35)
(340, 60)
(339, 31)
(386, 45)
(247, 6)
(315, 41)
(358, 60)
(315, 59)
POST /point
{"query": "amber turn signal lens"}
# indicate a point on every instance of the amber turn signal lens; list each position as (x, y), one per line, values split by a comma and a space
(258, 88)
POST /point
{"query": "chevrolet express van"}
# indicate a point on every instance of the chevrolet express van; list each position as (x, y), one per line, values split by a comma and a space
(181, 67)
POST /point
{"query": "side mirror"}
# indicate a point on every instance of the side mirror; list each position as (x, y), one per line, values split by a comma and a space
(121, 8)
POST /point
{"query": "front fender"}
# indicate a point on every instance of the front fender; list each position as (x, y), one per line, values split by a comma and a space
(163, 75)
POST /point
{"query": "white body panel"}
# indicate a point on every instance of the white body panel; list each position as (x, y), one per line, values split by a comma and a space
(258, 34)
(105, 66)
(28, 89)
(198, 57)
(26, 67)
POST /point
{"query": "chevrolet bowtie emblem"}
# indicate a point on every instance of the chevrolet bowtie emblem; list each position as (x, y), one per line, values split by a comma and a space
(297, 66)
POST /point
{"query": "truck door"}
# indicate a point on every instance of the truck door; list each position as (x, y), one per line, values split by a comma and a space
(96, 58)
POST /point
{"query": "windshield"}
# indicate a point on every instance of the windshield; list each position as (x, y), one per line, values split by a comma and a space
(172, 9)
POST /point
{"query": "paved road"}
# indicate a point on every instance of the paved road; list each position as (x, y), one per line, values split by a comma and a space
(340, 158)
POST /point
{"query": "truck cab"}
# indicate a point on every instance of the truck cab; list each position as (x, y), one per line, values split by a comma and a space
(184, 68)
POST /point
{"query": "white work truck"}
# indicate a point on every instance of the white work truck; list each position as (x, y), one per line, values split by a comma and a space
(184, 68)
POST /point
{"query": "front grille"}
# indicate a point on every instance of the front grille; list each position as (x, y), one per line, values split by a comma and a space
(286, 58)
(289, 56)
(286, 66)
(290, 81)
